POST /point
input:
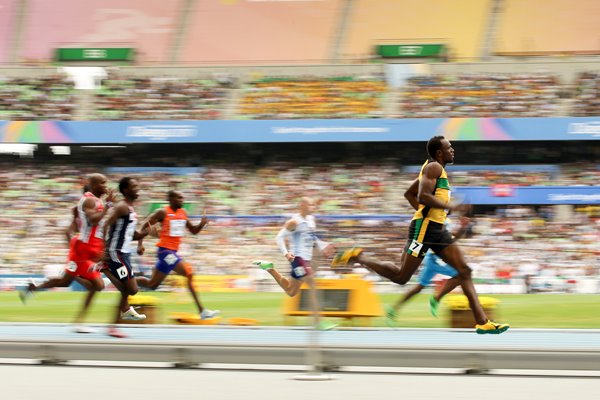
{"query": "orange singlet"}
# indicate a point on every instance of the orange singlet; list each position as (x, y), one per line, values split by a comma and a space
(173, 228)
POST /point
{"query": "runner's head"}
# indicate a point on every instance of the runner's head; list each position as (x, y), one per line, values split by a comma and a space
(97, 184)
(307, 206)
(440, 149)
(175, 198)
(129, 187)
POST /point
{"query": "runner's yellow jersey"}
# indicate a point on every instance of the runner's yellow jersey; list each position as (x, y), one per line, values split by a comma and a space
(442, 193)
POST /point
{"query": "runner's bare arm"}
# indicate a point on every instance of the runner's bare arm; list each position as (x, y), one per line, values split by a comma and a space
(195, 229)
(93, 215)
(412, 193)
(73, 228)
(288, 227)
(154, 218)
(427, 184)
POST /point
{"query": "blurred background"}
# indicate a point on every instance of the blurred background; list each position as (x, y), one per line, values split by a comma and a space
(247, 105)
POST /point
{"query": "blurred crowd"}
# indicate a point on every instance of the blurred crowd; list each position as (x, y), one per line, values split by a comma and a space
(502, 246)
(227, 96)
(587, 95)
(247, 205)
(270, 189)
(480, 95)
(126, 98)
(502, 177)
(518, 242)
(313, 97)
(33, 99)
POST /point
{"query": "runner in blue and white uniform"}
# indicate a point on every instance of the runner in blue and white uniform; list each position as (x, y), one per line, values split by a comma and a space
(119, 234)
(299, 233)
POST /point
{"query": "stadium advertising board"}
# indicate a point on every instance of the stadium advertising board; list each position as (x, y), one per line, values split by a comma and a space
(577, 195)
(94, 54)
(410, 50)
(310, 130)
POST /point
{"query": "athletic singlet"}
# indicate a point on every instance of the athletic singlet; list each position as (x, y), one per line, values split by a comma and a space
(89, 233)
(121, 234)
(441, 192)
(173, 228)
(303, 237)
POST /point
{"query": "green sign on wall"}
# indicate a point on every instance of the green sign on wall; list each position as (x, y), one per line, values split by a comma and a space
(411, 50)
(94, 54)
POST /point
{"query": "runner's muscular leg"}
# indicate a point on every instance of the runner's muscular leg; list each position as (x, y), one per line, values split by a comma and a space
(289, 285)
(293, 287)
(453, 255)
(397, 274)
(182, 269)
(155, 280)
(63, 281)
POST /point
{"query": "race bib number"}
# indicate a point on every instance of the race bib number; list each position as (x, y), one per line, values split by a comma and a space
(122, 272)
(71, 266)
(415, 248)
(176, 227)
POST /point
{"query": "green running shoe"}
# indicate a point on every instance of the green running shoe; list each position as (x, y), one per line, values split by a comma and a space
(433, 306)
(264, 264)
(390, 316)
(325, 325)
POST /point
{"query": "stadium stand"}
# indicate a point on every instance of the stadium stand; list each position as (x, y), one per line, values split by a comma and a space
(294, 32)
(313, 97)
(558, 28)
(481, 95)
(587, 95)
(147, 26)
(6, 24)
(123, 98)
(259, 32)
(36, 99)
(406, 22)
(134, 93)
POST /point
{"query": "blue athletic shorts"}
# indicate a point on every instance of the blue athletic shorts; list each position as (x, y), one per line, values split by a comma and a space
(433, 265)
(167, 260)
(300, 268)
(121, 269)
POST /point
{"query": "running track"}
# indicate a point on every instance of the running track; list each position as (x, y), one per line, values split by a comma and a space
(565, 349)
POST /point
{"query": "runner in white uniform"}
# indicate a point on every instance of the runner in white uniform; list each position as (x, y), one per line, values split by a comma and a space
(302, 241)
(300, 232)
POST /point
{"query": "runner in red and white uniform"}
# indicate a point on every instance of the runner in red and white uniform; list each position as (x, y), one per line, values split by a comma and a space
(86, 249)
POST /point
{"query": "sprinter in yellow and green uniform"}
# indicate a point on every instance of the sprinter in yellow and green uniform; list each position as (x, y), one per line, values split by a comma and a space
(427, 226)
(430, 196)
